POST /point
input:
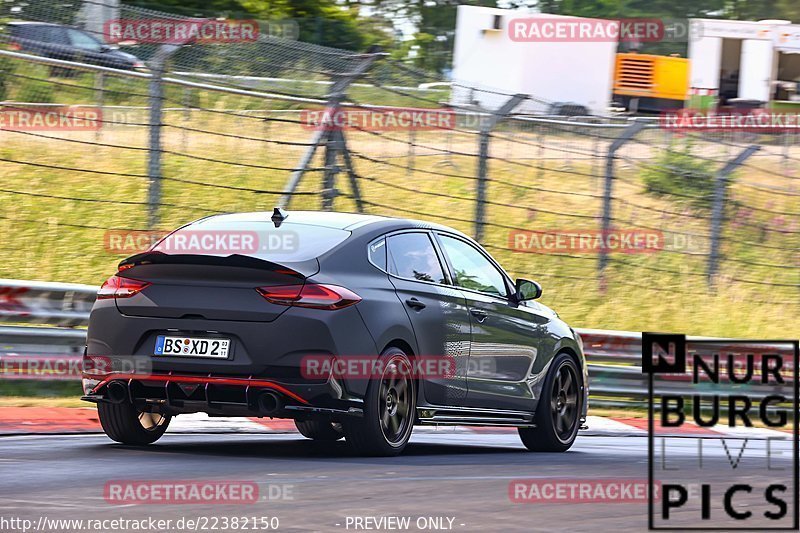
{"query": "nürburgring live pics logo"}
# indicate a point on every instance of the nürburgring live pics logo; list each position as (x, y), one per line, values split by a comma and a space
(723, 434)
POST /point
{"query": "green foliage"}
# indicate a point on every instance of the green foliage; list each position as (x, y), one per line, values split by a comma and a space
(434, 22)
(33, 90)
(680, 174)
(324, 22)
(45, 389)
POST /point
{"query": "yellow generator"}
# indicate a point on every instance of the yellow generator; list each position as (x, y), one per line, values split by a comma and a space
(648, 83)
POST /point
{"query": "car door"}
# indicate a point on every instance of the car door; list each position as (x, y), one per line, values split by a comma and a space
(437, 312)
(506, 335)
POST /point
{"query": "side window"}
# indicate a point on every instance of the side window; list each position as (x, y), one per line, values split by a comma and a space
(412, 256)
(471, 268)
(377, 253)
(84, 41)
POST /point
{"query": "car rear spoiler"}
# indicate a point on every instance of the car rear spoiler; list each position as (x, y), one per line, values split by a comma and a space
(300, 270)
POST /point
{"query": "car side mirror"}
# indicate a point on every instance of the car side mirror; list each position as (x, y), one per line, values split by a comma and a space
(527, 290)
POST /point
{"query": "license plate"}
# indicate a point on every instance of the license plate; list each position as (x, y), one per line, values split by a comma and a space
(192, 347)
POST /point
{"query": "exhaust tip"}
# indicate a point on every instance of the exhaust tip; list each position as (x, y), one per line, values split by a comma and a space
(117, 392)
(269, 403)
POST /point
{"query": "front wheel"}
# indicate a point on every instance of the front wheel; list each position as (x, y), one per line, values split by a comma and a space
(124, 423)
(389, 409)
(558, 416)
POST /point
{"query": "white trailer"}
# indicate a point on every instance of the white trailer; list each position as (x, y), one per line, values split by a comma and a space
(744, 60)
(485, 56)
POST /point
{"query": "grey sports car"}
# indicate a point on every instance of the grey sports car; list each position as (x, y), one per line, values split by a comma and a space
(355, 326)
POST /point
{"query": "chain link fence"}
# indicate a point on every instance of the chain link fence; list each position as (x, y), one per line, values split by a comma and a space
(625, 222)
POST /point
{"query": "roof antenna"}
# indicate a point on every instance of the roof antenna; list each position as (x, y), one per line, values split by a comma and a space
(278, 216)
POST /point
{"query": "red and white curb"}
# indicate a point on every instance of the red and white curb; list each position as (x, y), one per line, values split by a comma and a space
(38, 420)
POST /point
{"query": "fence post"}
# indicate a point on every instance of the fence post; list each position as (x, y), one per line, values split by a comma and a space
(334, 141)
(608, 188)
(334, 144)
(412, 139)
(718, 207)
(187, 117)
(99, 87)
(351, 174)
(155, 93)
(541, 166)
(483, 157)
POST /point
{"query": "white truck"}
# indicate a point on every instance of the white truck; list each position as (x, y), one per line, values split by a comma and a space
(732, 60)
(554, 72)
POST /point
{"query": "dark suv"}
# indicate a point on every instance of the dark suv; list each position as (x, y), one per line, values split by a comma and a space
(68, 44)
(354, 326)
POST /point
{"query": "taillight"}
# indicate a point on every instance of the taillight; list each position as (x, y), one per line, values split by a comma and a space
(118, 287)
(328, 297)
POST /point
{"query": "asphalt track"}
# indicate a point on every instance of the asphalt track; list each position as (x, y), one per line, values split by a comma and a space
(464, 477)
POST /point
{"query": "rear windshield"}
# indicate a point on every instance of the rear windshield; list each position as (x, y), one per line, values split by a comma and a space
(288, 243)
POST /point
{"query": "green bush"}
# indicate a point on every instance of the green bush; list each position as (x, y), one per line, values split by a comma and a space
(680, 174)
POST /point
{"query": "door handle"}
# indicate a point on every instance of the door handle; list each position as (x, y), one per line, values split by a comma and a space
(415, 304)
(479, 314)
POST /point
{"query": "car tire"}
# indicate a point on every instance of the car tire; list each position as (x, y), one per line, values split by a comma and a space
(389, 409)
(123, 423)
(320, 429)
(557, 418)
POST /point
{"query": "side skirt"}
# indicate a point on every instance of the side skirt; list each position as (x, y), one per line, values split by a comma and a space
(466, 416)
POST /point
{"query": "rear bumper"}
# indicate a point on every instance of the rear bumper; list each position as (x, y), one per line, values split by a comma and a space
(175, 394)
(265, 357)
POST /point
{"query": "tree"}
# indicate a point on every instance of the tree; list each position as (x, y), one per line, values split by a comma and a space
(326, 22)
(433, 22)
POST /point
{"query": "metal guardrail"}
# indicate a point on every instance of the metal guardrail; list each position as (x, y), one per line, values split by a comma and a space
(39, 302)
(37, 352)
(614, 357)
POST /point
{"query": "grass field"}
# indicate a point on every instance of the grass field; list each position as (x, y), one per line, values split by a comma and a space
(54, 219)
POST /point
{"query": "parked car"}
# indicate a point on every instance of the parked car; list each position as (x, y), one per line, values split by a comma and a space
(568, 109)
(232, 334)
(69, 44)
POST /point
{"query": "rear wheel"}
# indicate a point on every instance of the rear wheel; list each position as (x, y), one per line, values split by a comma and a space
(389, 408)
(124, 423)
(558, 414)
(320, 429)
